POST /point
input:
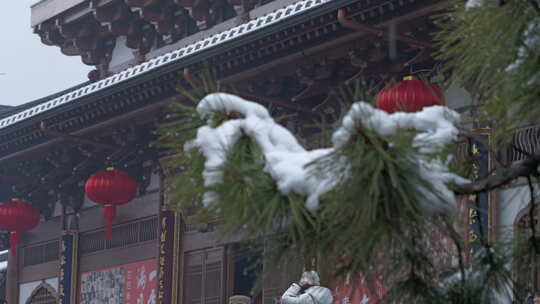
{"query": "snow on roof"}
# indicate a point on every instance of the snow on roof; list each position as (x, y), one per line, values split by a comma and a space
(211, 42)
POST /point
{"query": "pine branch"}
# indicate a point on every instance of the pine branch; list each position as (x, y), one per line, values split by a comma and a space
(502, 176)
(535, 5)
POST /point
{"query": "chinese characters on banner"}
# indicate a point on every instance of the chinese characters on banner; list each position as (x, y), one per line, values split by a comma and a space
(358, 291)
(134, 283)
(479, 204)
(168, 258)
(68, 267)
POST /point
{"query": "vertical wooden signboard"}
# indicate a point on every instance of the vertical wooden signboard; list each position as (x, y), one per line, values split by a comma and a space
(168, 258)
(67, 277)
(479, 204)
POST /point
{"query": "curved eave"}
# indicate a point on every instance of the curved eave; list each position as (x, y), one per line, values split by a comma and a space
(196, 52)
(27, 121)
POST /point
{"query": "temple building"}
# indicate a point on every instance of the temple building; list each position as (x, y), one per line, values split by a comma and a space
(286, 54)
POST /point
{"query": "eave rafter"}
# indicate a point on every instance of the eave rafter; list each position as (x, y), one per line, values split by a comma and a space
(49, 33)
(142, 23)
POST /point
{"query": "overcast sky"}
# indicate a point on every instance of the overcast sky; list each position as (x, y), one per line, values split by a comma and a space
(29, 69)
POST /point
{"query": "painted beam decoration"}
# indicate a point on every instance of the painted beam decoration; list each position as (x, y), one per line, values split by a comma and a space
(479, 204)
(67, 278)
(168, 257)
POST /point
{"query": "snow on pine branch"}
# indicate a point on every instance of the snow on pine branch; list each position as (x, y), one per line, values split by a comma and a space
(474, 3)
(286, 160)
(530, 44)
(436, 125)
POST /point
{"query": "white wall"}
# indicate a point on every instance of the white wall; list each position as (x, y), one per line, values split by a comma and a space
(456, 97)
(26, 289)
(512, 201)
(57, 209)
(121, 52)
(155, 183)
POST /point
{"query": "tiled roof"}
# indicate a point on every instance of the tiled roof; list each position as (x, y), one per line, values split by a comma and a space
(5, 109)
(211, 42)
(8, 111)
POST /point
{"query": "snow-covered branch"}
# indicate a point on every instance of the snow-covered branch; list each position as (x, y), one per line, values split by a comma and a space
(288, 163)
(502, 176)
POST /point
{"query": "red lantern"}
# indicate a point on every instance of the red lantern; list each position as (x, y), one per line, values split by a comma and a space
(110, 188)
(409, 95)
(17, 216)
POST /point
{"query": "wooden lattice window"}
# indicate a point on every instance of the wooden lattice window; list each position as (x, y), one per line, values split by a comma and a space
(43, 294)
(204, 276)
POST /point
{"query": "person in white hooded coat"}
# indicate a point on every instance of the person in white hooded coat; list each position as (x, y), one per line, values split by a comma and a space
(307, 291)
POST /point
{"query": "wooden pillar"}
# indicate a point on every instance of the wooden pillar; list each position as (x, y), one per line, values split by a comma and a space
(68, 259)
(12, 279)
(169, 257)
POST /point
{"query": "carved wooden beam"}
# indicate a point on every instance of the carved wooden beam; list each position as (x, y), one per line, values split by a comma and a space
(153, 13)
(142, 3)
(144, 175)
(108, 14)
(246, 5)
(317, 78)
(49, 34)
(42, 200)
(87, 43)
(72, 196)
(89, 40)
(146, 43)
(171, 18)
(117, 18)
(74, 139)
(201, 10)
(68, 48)
(69, 31)
(185, 3)
(342, 19)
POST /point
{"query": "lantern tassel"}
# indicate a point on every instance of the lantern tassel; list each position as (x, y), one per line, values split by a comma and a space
(14, 240)
(109, 213)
